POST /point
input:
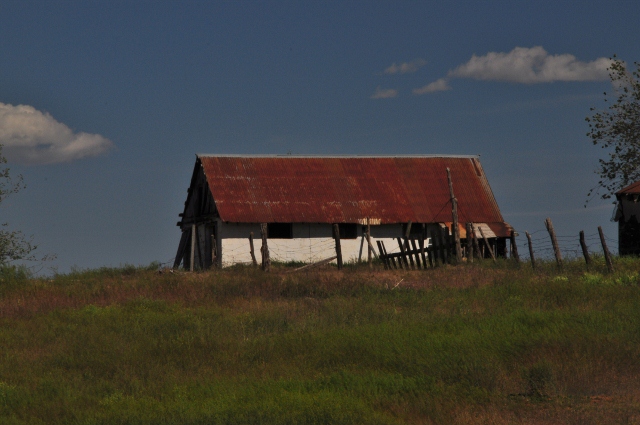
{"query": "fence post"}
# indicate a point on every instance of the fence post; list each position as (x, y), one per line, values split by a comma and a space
(336, 236)
(514, 247)
(264, 249)
(554, 241)
(405, 260)
(585, 251)
(607, 256)
(385, 261)
(533, 258)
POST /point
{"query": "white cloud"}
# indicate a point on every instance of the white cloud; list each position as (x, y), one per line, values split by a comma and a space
(439, 85)
(384, 93)
(33, 137)
(405, 67)
(531, 65)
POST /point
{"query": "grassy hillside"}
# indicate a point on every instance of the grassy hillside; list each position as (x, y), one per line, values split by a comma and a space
(470, 344)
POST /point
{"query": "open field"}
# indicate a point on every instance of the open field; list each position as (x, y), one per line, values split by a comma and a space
(474, 344)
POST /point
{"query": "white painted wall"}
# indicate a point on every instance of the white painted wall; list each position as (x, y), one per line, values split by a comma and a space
(310, 243)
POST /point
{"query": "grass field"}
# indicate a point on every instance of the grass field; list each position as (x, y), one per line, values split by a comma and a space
(473, 344)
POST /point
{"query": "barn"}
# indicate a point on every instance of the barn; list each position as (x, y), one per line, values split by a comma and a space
(300, 198)
(628, 216)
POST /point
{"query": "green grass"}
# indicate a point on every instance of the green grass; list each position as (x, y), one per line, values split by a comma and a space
(478, 343)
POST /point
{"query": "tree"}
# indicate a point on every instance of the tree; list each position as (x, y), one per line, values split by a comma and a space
(14, 245)
(617, 129)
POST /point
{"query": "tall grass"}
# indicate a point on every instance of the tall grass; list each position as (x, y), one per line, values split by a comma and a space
(478, 343)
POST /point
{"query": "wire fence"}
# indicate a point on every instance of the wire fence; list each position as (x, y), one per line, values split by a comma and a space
(569, 244)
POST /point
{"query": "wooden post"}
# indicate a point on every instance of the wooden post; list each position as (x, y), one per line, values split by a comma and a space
(607, 256)
(486, 243)
(369, 247)
(383, 251)
(264, 249)
(533, 258)
(435, 252)
(336, 236)
(554, 241)
(385, 261)
(407, 248)
(514, 247)
(469, 247)
(476, 245)
(455, 230)
(214, 251)
(193, 248)
(253, 254)
(444, 246)
(416, 253)
(405, 261)
(422, 255)
(361, 247)
(585, 251)
(373, 251)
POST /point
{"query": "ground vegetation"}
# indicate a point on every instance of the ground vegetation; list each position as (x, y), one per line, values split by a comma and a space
(471, 344)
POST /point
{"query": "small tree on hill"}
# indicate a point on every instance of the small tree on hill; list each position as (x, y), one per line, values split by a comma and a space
(617, 129)
(13, 244)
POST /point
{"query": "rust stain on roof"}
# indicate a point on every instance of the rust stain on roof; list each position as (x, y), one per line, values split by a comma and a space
(348, 189)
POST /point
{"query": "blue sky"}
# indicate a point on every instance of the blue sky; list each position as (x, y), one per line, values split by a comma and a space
(118, 97)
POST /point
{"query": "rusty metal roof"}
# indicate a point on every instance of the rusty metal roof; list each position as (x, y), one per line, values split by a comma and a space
(348, 189)
(633, 188)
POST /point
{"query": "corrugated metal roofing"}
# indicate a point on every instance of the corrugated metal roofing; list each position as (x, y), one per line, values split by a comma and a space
(633, 188)
(308, 189)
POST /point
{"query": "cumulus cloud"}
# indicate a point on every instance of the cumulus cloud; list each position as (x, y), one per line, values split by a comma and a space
(439, 85)
(531, 65)
(384, 93)
(29, 136)
(405, 67)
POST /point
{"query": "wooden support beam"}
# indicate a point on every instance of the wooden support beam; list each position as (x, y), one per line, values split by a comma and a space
(264, 249)
(554, 242)
(455, 230)
(486, 242)
(444, 246)
(469, 244)
(435, 249)
(369, 247)
(585, 251)
(607, 256)
(336, 236)
(476, 245)
(252, 252)
(193, 247)
(214, 251)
